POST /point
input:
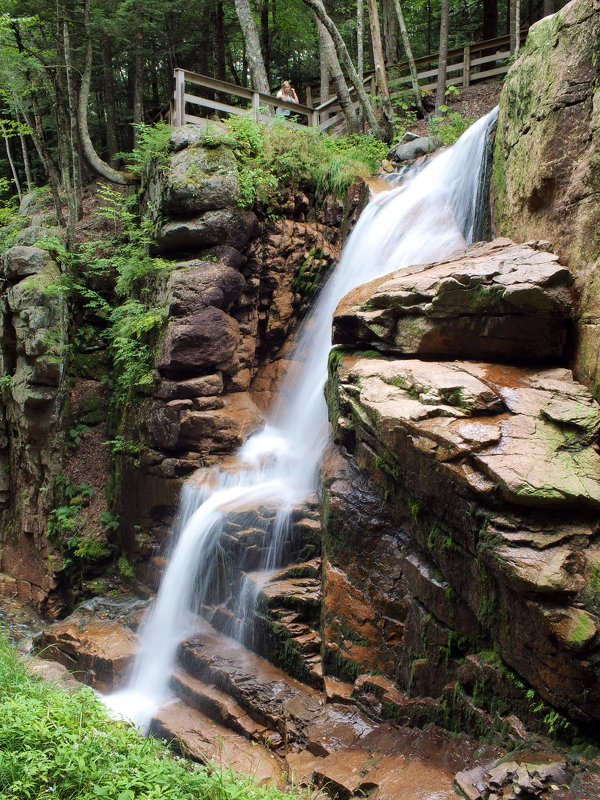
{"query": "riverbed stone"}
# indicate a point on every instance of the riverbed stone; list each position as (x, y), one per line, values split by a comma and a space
(499, 301)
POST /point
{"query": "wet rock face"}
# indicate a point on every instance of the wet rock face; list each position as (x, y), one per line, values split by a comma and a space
(487, 479)
(546, 171)
(500, 301)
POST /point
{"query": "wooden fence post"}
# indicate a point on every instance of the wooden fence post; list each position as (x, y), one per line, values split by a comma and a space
(309, 97)
(315, 119)
(255, 106)
(179, 97)
(467, 67)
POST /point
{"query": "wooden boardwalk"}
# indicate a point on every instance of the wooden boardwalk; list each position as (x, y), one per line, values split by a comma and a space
(466, 65)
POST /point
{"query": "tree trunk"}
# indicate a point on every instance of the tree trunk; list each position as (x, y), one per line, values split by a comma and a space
(138, 74)
(10, 161)
(218, 40)
(489, 28)
(380, 70)
(549, 7)
(77, 190)
(258, 73)
(390, 33)
(409, 57)
(324, 64)
(517, 25)
(110, 106)
(511, 25)
(360, 38)
(346, 61)
(94, 160)
(25, 151)
(440, 92)
(265, 37)
(337, 77)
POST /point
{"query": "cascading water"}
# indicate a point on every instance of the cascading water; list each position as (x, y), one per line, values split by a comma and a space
(430, 217)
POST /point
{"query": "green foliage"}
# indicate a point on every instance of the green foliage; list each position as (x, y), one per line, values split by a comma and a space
(64, 521)
(448, 127)
(76, 433)
(272, 157)
(65, 747)
(131, 325)
(152, 148)
(125, 568)
(121, 446)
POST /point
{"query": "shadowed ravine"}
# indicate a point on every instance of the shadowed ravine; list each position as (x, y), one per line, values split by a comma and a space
(430, 217)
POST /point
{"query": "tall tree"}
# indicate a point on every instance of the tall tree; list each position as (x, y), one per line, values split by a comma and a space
(489, 26)
(346, 61)
(414, 76)
(360, 38)
(337, 77)
(380, 69)
(440, 92)
(258, 73)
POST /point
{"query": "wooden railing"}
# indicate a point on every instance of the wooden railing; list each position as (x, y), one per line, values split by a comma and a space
(237, 100)
(466, 65)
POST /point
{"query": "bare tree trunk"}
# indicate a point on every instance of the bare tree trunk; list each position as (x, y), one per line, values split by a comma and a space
(219, 40)
(549, 7)
(517, 25)
(94, 160)
(512, 10)
(265, 38)
(324, 65)
(37, 134)
(24, 150)
(77, 194)
(409, 57)
(341, 87)
(346, 61)
(440, 92)
(389, 32)
(360, 38)
(10, 161)
(380, 70)
(138, 74)
(258, 73)
(490, 19)
(110, 108)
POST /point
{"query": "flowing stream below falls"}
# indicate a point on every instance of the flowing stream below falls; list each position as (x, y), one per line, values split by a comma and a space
(434, 214)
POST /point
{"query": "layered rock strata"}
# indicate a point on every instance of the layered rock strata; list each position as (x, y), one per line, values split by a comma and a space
(546, 180)
(475, 486)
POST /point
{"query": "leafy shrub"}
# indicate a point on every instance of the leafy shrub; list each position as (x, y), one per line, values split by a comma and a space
(65, 747)
(449, 127)
(274, 156)
(152, 148)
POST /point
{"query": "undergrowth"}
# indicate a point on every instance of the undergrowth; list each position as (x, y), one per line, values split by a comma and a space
(273, 156)
(65, 747)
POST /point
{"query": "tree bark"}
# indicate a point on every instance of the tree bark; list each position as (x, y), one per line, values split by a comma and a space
(324, 64)
(360, 38)
(489, 28)
(512, 7)
(10, 160)
(258, 73)
(265, 37)
(549, 7)
(346, 61)
(409, 57)
(96, 163)
(517, 26)
(110, 107)
(337, 78)
(77, 190)
(440, 93)
(390, 33)
(380, 70)
(219, 40)
(138, 74)
(25, 151)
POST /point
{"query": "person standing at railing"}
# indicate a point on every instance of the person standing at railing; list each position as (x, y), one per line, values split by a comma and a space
(288, 95)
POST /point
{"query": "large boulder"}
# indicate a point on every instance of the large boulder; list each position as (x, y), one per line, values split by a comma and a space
(197, 284)
(21, 261)
(228, 226)
(200, 179)
(207, 338)
(499, 301)
(546, 177)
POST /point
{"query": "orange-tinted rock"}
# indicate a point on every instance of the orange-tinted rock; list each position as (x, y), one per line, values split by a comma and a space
(97, 652)
(207, 338)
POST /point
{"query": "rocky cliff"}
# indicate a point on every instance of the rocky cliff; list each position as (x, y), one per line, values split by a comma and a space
(547, 167)
(472, 574)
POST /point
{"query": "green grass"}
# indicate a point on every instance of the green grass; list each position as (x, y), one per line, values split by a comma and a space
(65, 747)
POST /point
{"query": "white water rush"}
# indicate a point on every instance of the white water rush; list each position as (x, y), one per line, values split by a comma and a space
(430, 217)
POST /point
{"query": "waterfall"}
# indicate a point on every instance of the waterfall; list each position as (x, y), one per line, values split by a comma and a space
(430, 217)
